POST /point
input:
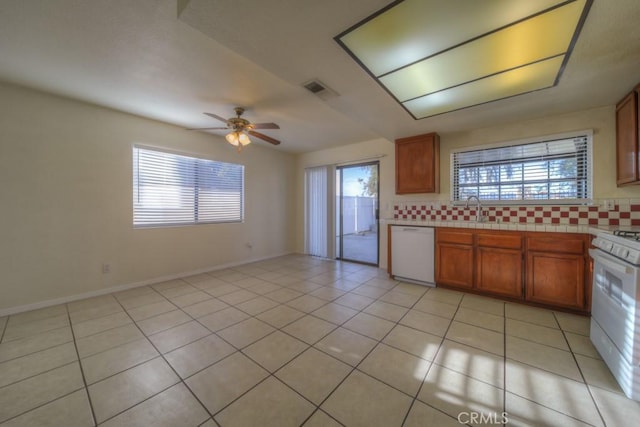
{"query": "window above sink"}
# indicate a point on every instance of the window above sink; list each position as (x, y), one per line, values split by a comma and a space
(554, 169)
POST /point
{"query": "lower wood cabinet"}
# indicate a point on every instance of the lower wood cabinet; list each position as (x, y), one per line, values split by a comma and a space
(499, 271)
(499, 262)
(454, 257)
(454, 265)
(556, 270)
(542, 268)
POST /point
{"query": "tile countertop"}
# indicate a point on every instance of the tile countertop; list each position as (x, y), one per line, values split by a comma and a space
(560, 228)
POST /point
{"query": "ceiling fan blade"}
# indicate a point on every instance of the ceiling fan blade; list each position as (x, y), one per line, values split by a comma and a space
(215, 116)
(265, 126)
(225, 128)
(265, 137)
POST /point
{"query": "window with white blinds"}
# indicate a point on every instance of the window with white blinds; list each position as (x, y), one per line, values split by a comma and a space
(172, 189)
(551, 170)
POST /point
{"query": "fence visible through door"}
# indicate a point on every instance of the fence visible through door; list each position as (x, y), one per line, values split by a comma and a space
(357, 213)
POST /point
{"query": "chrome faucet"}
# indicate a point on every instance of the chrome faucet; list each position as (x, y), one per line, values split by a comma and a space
(479, 217)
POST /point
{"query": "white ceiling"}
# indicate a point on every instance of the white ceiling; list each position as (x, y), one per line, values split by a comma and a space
(145, 58)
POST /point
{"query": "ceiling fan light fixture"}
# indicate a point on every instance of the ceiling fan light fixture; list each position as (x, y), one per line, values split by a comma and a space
(233, 138)
(244, 139)
(238, 139)
(240, 129)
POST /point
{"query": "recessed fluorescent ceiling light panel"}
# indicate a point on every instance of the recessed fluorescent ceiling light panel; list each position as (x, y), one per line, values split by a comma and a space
(437, 56)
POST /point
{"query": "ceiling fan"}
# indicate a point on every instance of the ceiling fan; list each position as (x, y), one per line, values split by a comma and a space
(241, 129)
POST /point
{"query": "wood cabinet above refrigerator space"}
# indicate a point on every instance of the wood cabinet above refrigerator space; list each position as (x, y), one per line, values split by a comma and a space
(418, 164)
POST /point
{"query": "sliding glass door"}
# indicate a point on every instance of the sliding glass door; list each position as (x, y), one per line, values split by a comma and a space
(357, 213)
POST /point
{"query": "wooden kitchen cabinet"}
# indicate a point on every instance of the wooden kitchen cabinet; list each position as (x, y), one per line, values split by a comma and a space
(418, 164)
(454, 257)
(499, 263)
(556, 269)
(549, 269)
(627, 140)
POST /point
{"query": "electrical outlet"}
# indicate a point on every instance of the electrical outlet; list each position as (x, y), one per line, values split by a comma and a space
(106, 268)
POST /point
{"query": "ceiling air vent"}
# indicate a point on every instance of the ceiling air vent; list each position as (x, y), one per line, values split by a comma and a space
(319, 89)
(314, 86)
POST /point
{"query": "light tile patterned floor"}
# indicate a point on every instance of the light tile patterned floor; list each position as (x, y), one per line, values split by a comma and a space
(302, 341)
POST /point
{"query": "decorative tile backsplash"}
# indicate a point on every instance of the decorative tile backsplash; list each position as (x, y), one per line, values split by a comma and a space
(623, 213)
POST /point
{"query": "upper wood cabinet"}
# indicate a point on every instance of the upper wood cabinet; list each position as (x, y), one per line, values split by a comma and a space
(418, 164)
(627, 140)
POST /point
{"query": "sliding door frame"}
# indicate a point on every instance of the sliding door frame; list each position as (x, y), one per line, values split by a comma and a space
(339, 208)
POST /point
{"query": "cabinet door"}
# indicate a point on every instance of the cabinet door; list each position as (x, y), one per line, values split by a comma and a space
(627, 140)
(417, 164)
(454, 265)
(556, 279)
(499, 271)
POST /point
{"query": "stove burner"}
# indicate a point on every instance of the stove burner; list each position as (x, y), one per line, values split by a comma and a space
(627, 234)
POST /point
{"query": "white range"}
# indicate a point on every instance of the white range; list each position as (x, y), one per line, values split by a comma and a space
(615, 310)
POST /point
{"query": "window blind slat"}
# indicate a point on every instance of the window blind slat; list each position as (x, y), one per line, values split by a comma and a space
(554, 169)
(173, 189)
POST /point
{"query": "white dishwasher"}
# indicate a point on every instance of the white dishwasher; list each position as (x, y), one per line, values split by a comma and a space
(412, 254)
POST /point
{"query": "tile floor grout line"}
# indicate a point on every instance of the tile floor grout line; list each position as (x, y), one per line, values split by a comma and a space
(552, 409)
(272, 374)
(298, 355)
(304, 292)
(165, 299)
(6, 324)
(435, 355)
(586, 384)
(504, 359)
(355, 367)
(218, 336)
(84, 378)
(5, 341)
(541, 343)
(39, 373)
(97, 318)
(36, 351)
(208, 366)
(117, 347)
(82, 388)
(32, 353)
(546, 370)
(238, 350)
(180, 379)
(141, 402)
(324, 412)
(553, 373)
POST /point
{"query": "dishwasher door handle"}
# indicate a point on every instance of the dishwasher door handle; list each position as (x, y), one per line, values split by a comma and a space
(417, 229)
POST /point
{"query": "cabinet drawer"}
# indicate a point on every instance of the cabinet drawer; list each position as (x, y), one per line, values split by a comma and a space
(558, 243)
(505, 241)
(454, 236)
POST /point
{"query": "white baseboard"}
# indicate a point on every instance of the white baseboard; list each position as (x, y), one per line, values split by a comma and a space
(124, 287)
